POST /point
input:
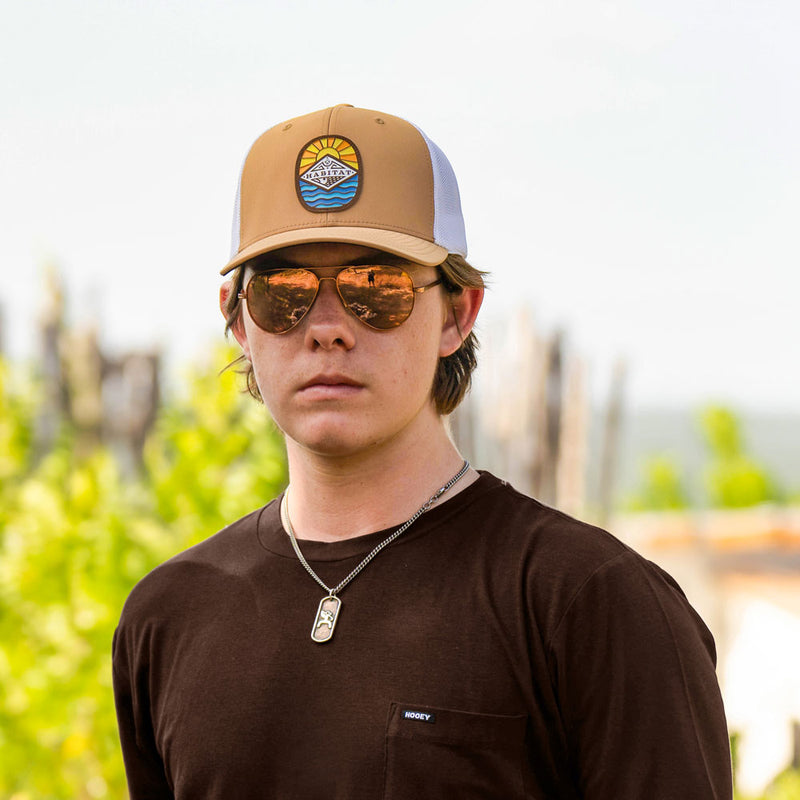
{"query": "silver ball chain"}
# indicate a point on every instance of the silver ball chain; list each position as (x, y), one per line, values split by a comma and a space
(374, 552)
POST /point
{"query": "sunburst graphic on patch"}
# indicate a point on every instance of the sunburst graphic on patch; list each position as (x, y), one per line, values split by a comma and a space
(329, 174)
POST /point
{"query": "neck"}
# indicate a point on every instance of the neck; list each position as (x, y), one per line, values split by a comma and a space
(336, 497)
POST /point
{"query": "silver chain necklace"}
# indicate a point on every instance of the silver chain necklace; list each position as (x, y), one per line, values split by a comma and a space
(331, 605)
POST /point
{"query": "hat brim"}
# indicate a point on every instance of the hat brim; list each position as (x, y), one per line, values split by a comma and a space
(414, 249)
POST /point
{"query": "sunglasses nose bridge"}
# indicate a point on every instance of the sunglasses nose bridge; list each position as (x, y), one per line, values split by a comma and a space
(336, 291)
(320, 280)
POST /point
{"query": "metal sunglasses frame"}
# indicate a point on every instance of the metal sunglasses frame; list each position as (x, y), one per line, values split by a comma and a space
(415, 290)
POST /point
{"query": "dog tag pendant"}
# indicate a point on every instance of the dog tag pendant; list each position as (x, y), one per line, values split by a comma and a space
(325, 621)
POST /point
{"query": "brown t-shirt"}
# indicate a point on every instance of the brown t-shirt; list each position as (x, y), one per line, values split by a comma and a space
(497, 649)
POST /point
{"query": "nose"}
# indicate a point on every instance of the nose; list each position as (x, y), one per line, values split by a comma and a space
(328, 323)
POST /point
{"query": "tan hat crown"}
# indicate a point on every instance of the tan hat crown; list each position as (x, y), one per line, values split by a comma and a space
(347, 174)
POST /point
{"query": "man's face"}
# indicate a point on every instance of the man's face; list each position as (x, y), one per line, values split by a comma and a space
(334, 385)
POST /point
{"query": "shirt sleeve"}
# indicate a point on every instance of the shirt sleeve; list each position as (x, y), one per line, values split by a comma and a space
(143, 764)
(634, 671)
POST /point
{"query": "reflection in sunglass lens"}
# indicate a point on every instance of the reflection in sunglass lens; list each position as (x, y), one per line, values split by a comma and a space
(380, 296)
(277, 301)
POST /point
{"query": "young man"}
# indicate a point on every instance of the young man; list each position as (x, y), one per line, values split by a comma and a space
(396, 625)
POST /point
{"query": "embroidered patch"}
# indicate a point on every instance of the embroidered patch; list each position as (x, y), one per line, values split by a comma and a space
(421, 716)
(329, 174)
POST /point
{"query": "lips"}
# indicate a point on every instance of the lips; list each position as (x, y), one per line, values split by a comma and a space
(330, 380)
(330, 387)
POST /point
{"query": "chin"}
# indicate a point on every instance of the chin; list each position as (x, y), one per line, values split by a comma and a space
(332, 437)
(336, 446)
(341, 439)
(342, 435)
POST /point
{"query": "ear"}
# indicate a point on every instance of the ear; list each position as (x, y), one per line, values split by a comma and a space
(461, 312)
(237, 328)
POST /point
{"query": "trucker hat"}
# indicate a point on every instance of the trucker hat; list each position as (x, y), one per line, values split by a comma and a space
(347, 174)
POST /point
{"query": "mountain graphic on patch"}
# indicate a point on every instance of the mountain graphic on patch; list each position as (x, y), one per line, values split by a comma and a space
(328, 174)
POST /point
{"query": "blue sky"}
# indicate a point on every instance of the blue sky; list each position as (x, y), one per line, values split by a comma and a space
(629, 171)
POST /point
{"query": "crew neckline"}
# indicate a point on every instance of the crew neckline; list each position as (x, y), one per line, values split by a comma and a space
(273, 537)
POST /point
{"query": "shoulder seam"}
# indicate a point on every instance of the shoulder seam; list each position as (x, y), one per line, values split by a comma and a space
(579, 591)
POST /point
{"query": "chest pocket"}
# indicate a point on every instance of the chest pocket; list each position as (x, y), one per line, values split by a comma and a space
(436, 753)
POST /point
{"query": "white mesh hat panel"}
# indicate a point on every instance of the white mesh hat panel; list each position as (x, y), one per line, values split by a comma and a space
(236, 227)
(448, 223)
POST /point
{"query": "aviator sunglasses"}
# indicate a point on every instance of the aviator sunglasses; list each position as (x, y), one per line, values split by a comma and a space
(380, 296)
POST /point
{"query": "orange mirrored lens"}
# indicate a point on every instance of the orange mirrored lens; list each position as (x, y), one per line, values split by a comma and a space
(381, 297)
(277, 301)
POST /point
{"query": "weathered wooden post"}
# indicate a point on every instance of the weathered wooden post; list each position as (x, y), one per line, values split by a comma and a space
(573, 450)
(131, 396)
(610, 448)
(54, 407)
(83, 369)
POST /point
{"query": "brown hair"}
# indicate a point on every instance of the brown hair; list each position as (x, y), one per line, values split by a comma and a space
(453, 373)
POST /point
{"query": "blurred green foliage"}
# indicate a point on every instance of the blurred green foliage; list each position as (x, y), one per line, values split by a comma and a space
(731, 478)
(75, 535)
(662, 488)
(785, 787)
